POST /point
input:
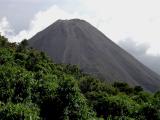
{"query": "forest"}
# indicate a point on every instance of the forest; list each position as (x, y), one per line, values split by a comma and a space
(33, 87)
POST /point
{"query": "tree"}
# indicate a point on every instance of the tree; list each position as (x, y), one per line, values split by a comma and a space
(91, 84)
(123, 87)
(15, 84)
(24, 43)
(138, 89)
(22, 46)
(68, 104)
(148, 112)
(3, 41)
(19, 111)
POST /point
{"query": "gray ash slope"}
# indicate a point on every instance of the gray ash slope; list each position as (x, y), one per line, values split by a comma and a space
(78, 42)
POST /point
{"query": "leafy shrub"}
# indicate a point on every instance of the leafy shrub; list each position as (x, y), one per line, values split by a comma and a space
(19, 111)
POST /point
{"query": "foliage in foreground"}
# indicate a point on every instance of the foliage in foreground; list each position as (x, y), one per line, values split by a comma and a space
(32, 87)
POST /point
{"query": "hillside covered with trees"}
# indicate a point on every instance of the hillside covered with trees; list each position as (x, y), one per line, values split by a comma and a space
(33, 87)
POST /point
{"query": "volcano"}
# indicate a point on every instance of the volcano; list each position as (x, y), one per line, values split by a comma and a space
(79, 43)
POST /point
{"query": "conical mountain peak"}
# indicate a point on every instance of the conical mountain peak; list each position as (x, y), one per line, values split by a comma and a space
(71, 20)
(77, 42)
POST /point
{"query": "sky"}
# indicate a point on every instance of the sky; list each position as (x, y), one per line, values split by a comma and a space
(133, 24)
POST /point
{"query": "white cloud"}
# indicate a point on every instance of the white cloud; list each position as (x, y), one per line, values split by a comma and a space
(140, 52)
(41, 20)
(45, 18)
(5, 28)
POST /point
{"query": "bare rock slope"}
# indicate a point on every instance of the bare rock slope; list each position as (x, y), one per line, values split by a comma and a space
(78, 42)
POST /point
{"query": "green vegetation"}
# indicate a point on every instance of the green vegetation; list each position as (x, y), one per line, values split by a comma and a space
(32, 87)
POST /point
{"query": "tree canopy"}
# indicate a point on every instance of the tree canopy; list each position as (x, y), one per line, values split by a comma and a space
(33, 87)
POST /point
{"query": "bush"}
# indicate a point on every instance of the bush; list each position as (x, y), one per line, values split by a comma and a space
(90, 84)
(68, 103)
(123, 87)
(19, 111)
(148, 112)
(15, 84)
